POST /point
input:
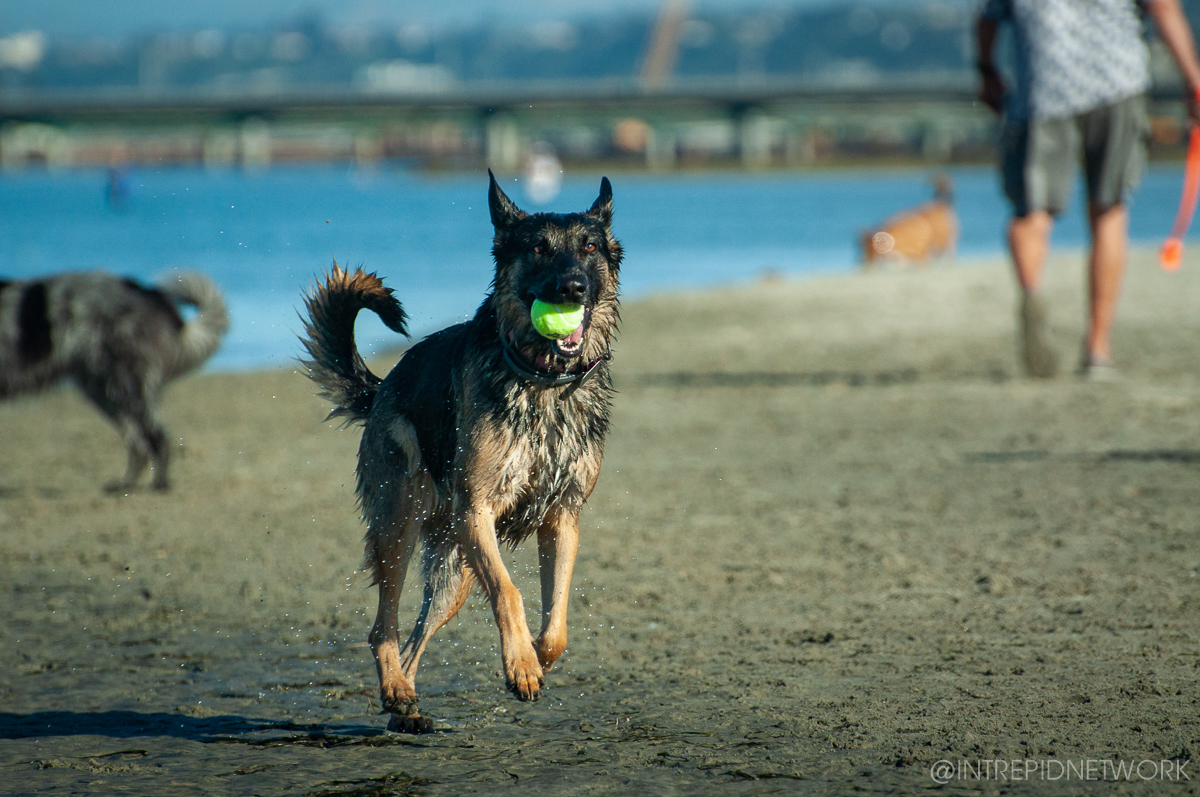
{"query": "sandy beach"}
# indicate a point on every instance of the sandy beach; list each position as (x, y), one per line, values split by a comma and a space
(837, 539)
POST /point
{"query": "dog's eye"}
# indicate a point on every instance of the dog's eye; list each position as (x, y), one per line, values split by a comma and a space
(590, 247)
(539, 249)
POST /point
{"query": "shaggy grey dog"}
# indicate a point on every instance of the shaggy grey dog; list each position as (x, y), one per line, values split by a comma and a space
(120, 341)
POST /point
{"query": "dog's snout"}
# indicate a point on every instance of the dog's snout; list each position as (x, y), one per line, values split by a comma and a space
(573, 288)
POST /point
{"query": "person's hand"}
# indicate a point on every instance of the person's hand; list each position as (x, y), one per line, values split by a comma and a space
(992, 88)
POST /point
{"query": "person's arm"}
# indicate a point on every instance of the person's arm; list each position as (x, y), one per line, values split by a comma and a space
(1176, 33)
(992, 88)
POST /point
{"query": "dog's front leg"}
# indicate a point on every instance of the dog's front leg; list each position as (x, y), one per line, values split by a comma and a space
(522, 672)
(558, 542)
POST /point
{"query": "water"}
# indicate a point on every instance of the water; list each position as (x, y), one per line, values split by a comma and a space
(264, 236)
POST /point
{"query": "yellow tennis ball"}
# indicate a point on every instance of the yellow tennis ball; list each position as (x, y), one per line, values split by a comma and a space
(555, 321)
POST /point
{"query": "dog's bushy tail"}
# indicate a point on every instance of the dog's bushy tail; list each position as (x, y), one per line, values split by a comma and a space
(335, 363)
(202, 335)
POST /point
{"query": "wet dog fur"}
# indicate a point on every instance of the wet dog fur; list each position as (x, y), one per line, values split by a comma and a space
(463, 454)
(917, 235)
(118, 340)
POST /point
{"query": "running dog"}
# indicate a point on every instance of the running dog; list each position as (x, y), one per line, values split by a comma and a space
(483, 434)
(118, 340)
(916, 235)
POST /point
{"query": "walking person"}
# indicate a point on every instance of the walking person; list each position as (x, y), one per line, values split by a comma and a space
(1078, 95)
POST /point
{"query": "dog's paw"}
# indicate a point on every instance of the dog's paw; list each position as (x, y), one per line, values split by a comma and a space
(398, 698)
(525, 682)
(549, 651)
(411, 723)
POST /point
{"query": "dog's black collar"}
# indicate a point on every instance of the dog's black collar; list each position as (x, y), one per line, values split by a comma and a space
(575, 379)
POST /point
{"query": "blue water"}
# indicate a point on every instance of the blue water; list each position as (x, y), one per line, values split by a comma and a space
(263, 236)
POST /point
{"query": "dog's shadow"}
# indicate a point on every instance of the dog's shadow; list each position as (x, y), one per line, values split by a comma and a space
(223, 729)
(126, 724)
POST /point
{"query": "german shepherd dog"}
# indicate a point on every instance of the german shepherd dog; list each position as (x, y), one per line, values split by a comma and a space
(484, 433)
(118, 340)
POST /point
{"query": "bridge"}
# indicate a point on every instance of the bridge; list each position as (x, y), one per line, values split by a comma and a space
(754, 124)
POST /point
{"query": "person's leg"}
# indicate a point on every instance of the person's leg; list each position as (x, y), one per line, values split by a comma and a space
(1106, 268)
(1114, 152)
(1029, 242)
(1036, 163)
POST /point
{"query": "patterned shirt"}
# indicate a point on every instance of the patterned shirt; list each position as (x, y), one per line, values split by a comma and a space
(1072, 55)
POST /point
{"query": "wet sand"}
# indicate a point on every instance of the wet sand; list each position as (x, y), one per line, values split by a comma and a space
(837, 538)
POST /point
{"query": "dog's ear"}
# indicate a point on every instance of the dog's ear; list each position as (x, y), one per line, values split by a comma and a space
(602, 208)
(505, 214)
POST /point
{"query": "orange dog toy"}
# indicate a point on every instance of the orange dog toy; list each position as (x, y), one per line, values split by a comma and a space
(1170, 257)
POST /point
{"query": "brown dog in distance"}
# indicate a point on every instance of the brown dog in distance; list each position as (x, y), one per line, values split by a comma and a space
(917, 235)
(484, 433)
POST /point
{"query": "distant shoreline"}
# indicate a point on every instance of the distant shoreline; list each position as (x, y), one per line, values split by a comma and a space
(1160, 155)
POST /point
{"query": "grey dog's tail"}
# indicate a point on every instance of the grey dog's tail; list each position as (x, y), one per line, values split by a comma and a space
(335, 363)
(200, 336)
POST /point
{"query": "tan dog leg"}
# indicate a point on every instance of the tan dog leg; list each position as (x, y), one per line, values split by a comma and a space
(558, 542)
(395, 691)
(522, 672)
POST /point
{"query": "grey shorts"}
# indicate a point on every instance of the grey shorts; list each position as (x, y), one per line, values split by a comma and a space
(1038, 157)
